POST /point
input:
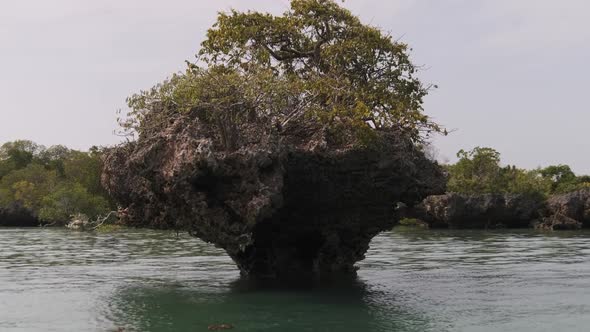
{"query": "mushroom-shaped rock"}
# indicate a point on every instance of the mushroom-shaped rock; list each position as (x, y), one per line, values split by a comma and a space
(287, 144)
(280, 206)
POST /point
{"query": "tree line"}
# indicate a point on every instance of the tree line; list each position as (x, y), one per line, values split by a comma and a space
(480, 171)
(52, 183)
(57, 182)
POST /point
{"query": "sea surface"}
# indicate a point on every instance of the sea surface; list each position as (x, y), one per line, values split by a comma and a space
(411, 280)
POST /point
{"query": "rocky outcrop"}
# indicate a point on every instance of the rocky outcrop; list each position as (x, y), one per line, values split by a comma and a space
(284, 202)
(570, 211)
(455, 210)
(557, 222)
(574, 205)
(16, 215)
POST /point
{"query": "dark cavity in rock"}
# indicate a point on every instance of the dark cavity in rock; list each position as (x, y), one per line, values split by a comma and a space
(15, 215)
(281, 204)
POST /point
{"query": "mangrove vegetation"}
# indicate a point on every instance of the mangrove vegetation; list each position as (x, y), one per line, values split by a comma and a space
(479, 171)
(51, 184)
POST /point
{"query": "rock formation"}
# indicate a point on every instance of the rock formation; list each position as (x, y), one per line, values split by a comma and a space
(557, 222)
(566, 211)
(478, 210)
(569, 211)
(17, 216)
(285, 202)
(575, 205)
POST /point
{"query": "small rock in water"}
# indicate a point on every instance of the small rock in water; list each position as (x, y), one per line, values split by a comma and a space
(218, 327)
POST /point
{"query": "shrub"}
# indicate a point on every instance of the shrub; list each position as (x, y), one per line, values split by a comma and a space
(69, 199)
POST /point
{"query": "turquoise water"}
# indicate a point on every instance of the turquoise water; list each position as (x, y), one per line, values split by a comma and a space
(412, 280)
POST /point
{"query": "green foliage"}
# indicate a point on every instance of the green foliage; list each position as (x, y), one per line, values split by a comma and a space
(52, 182)
(563, 179)
(479, 171)
(27, 186)
(16, 155)
(316, 61)
(85, 169)
(108, 228)
(412, 222)
(54, 158)
(221, 96)
(68, 199)
(516, 180)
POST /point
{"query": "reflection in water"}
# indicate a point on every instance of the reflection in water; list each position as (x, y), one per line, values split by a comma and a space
(415, 280)
(346, 306)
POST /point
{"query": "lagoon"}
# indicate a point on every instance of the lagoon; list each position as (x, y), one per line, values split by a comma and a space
(411, 280)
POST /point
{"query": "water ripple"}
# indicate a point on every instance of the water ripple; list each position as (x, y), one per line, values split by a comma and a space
(57, 280)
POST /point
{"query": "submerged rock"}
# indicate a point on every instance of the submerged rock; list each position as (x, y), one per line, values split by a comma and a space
(218, 327)
(284, 202)
(455, 210)
(16, 215)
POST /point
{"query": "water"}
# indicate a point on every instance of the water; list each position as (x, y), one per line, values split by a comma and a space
(418, 280)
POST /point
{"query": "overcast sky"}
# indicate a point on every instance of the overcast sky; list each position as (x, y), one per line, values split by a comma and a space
(513, 74)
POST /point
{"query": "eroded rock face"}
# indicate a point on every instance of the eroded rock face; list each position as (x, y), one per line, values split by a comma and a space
(280, 204)
(569, 211)
(17, 216)
(455, 210)
(574, 205)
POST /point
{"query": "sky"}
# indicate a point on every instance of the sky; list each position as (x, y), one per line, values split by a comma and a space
(512, 74)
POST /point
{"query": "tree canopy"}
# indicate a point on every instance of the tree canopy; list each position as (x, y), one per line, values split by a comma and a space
(53, 182)
(479, 171)
(316, 61)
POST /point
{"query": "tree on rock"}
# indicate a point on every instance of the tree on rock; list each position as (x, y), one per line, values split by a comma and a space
(287, 142)
(316, 61)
